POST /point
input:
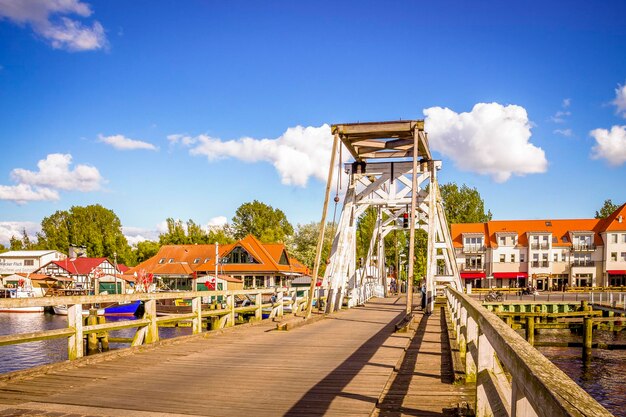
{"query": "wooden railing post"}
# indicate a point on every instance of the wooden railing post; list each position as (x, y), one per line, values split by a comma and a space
(75, 342)
(230, 302)
(258, 302)
(92, 338)
(279, 300)
(152, 333)
(196, 308)
(520, 406)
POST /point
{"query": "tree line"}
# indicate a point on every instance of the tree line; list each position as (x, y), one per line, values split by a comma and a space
(99, 230)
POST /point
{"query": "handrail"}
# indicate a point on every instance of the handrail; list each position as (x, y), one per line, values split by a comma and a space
(510, 374)
(147, 327)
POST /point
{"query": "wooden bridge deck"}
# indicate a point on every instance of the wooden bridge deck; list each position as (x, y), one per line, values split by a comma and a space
(342, 365)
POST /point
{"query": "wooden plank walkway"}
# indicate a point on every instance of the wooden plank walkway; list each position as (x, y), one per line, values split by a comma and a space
(342, 365)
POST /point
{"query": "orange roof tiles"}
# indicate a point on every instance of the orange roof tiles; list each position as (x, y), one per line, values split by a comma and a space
(561, 229)
(201, 258)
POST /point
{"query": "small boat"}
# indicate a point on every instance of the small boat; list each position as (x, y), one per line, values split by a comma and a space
(61, 310)
(19, 292)
(122, 309)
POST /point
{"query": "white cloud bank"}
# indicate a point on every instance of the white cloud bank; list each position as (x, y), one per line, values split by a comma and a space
(610, 145)
(54, 174)
(49, 19)
(10, 229)
(297, 155)
(620, 100)
(491, 140)
(123, 143)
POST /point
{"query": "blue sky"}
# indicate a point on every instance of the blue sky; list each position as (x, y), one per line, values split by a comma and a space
(159, 109)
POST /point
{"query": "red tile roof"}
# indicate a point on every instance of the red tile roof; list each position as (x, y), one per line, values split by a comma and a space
(79, 266)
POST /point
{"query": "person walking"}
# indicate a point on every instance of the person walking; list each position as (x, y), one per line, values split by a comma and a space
(424, 297)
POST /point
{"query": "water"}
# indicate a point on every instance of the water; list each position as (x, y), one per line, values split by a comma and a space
(28, 355)
(603, 378)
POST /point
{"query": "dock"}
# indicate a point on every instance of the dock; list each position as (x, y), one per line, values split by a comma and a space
(351, 363)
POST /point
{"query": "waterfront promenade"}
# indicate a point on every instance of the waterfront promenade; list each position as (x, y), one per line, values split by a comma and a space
(350, 364)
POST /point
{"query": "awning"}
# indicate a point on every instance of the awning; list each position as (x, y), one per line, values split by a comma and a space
(510, 275)
(472, 275)
(616, 272)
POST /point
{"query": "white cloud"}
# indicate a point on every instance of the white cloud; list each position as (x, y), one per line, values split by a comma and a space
(48, 18)
(54, 172)
(620, 100)
(610, 145)
(559, 116)
(135, 235)
(566, 103)
(492, 140)
(297, 155)
(564, 132)
(217, 222)
(10, 229)
(23, 193)
(124, 144)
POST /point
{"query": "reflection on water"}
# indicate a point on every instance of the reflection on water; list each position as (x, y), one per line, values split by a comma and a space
(27, 355)
(602, 377)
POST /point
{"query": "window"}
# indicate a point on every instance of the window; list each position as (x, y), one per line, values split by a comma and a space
(512, 257)
(565, 239)
(502, 240)
(623, 238)
(521, 257)
(473, 262)
(260, 282)
(614, 238)
(556, 257)
(162, 260)
(171, 260)
(240, 256)
(29, 262)
(613, 256)
(503, 258)
(623, 256)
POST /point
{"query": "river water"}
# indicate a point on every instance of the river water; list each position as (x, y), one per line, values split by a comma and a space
(604, 377)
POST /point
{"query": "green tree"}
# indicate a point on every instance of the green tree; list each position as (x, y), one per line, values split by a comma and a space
(3, 248)
(222, 235)
(95, 227)
(262, 221)
(303, 244)
(463, 205)
(607, 209)
(23, 243)
(175, 234)
(146, 250)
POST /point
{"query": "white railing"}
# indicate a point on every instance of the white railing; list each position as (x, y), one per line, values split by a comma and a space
(512, 378)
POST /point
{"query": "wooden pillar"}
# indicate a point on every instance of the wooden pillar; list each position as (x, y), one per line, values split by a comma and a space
(471, 351)
(92, 338)
(320, 240)
(230, 302)
(279, 300)
(258, 302)
(485, 363)
(530, 330)
(152, 332)
(431, 211)
(196, 322)
(104, 336)
(75, 347)
(520, 406)
(587, 335)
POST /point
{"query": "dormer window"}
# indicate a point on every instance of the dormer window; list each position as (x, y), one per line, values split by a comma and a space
(162, 260)
(195, 261)
(171, 260)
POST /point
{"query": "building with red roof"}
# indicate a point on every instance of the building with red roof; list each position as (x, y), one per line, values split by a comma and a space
(83, 271)
(547, 254)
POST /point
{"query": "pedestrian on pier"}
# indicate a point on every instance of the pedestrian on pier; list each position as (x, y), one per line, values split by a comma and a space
(423, 296)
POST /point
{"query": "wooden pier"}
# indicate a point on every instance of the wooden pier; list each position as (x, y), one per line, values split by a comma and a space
(351, 363)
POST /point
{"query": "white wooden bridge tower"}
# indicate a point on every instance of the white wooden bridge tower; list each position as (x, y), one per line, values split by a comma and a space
(393, 172)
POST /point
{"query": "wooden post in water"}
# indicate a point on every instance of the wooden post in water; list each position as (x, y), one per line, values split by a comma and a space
(530, 330)
(104, 336)
(587, 335)
(75, 347)
(92, 338)
(152, 331)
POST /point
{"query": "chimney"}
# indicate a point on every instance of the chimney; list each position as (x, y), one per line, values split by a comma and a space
(76, 251)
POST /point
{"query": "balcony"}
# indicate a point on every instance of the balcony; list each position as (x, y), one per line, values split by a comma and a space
(473, 248)
(538, 246)
(473, 268)
(583, 247)
(583, 263)
(540, 264)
